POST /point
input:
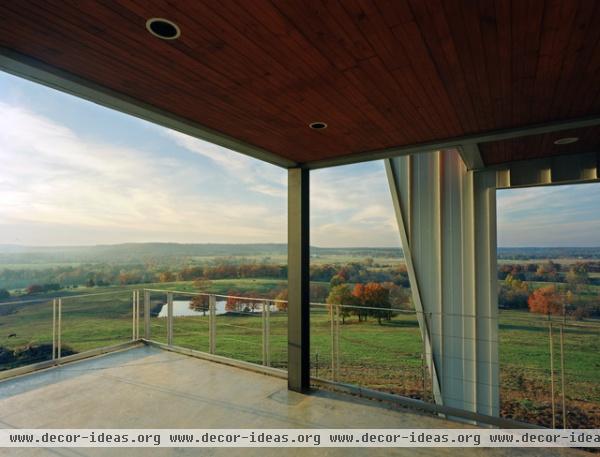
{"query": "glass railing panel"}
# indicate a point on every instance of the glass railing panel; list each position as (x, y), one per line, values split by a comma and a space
(158, 315)
(239, 328)
(377, 348)
(321, 342)
(278, 332)
(191, 321)
(25, 332)
(96, 320)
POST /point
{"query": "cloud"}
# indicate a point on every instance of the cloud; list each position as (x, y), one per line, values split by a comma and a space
(57, 186)
(51, 176)
(566, 215)
(258, 176)
(352, 206)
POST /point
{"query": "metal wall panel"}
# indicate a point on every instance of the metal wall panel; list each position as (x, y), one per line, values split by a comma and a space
(449, 216)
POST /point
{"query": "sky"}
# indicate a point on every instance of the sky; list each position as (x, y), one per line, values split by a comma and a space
(567, 215)
(75, 173)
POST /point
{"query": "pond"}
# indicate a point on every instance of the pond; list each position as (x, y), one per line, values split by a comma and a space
(182, 308)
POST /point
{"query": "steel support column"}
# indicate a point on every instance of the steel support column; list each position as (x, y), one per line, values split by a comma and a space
(298, 280)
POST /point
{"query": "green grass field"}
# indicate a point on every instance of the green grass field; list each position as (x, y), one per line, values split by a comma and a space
(387, 357)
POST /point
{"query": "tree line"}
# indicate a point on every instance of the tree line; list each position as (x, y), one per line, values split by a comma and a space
(550, 271)
(568, 292)
(34, 281)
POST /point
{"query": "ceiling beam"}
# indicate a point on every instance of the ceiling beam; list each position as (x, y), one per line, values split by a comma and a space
(464, 143)
(471, 156)
(562, 169)
(39, 72)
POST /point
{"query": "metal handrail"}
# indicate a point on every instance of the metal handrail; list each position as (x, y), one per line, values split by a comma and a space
(64, 297)
(140, 295)
(208, 294)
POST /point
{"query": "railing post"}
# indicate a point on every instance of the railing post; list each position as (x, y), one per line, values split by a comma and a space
(337, 342)
(264, 329)
(170, 318)
(137, 315)
(59, 329)
(332, 337)
(54, 329)
(551, 340)
(268, 333)
(212, 324)
(147, 333)
(133, 294)
(562, 375)
(423, 365)
(334, 316)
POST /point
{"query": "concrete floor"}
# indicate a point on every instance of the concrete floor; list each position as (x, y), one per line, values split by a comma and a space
(150, 388)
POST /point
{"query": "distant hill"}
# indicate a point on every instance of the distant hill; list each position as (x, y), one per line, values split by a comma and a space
(130, 252)
(527, 253)
(134, 253)
(142, 252)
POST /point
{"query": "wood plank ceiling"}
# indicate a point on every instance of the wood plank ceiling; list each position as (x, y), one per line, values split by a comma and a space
(381, 74)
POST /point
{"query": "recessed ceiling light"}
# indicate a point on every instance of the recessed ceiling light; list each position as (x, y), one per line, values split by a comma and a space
(163, 28)
(566, 140)
(317, 125)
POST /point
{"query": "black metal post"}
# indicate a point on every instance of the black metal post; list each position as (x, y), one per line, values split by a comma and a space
(298, 280)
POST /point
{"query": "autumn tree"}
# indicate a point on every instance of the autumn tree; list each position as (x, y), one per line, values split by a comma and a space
(578, 274)
(166, 276)
(546, 300)
(372, 296)
(399, 296)
(517, 272)
(377, 296)
(130, 277)
(190, 273)
(513, 293)
(322, 272)
(342, 295)
(318, 292)
(242, 301)
(232, 304)
(199, 303)
(337, 280)
(283, 296)
(548, 271)
(358, 292)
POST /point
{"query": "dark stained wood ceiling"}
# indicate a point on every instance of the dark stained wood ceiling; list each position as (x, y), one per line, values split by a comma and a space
(538, 146)
(381, 74)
